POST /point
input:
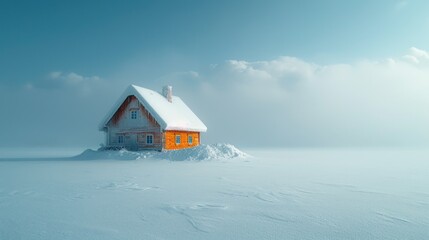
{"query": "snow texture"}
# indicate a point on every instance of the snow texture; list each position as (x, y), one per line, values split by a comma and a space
(174, 115)
(306, 194)
(201, 152)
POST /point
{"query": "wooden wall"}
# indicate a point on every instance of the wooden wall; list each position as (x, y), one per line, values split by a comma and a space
(170, 140)
(133, 131)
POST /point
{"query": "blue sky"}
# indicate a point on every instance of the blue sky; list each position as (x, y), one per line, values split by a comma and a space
(98, 38)
(80, 55)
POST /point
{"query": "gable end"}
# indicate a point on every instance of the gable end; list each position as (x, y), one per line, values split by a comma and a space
(122, 110)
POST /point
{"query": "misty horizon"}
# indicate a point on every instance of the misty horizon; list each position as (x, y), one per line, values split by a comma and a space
(286, 85)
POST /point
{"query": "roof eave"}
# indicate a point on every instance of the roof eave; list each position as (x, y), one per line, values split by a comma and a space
(132, 91)
(186, 129)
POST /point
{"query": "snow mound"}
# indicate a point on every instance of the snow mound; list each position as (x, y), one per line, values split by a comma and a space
(201, 152)
(204, 152)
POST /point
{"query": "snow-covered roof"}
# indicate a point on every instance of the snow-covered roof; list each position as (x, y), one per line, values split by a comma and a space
(174, 115)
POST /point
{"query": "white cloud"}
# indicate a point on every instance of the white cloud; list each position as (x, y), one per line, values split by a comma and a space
(419, 53)
(72, 78)
(66, 81)
(55, 75)
(289, 101)
(416, 55)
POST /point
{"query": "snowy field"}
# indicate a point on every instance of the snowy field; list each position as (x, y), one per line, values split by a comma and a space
(275, 194)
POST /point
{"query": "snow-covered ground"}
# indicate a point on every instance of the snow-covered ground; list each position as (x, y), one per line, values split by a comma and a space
(275, 194)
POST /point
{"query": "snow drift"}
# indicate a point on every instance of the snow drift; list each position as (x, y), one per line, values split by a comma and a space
(308, 194)
(201, 152)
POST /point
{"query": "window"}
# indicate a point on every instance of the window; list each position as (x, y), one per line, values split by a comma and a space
(149, 139)
(120, 139)
(190, 139)
(177, 139)
(134, 114)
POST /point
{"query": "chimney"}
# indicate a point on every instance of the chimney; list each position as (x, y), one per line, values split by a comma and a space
(167, 92)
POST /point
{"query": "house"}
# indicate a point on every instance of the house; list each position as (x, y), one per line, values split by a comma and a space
(145, 119)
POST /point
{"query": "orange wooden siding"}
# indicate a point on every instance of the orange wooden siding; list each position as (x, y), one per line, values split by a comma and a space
(170, 139)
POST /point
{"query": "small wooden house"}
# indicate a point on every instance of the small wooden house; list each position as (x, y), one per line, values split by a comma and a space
(145, 119)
